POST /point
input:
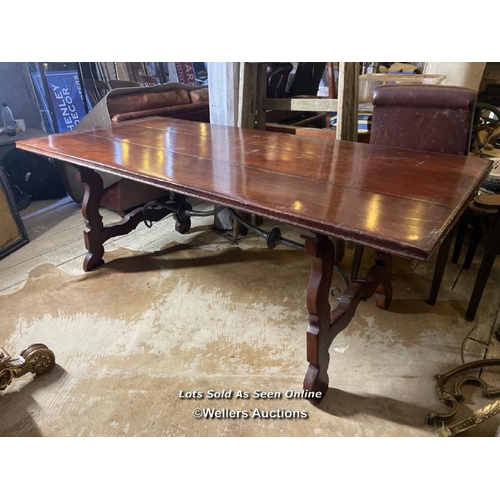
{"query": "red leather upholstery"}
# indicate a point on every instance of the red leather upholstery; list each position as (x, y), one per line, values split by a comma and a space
(140, 101)
(199, 95)
(192, 105)
(434, 118)
(191, 111)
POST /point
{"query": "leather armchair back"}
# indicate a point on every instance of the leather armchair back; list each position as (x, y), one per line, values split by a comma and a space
(435, 118)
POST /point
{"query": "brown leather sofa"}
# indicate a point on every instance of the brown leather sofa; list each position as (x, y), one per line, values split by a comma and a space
(170, 99)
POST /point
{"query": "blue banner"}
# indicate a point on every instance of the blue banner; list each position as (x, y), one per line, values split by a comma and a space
(66, 97)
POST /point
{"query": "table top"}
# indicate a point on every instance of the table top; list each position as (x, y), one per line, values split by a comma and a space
(399, 201)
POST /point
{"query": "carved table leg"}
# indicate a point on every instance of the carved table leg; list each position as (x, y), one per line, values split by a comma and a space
(93, 232)
(324, 324)
(37, 358)
(319, 336)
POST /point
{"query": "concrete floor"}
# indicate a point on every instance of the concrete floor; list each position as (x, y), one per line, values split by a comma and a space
(172, 339)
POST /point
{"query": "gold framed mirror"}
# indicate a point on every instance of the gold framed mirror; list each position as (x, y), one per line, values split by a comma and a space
(12, 231)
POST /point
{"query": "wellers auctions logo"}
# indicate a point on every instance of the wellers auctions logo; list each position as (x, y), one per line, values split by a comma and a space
(226, 413)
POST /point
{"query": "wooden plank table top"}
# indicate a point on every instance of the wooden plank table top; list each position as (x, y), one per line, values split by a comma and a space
(398, 201)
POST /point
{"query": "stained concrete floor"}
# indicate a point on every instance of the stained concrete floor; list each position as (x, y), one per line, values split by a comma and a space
(381, 371)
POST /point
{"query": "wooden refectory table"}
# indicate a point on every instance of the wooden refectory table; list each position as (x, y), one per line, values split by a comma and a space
(399, 202)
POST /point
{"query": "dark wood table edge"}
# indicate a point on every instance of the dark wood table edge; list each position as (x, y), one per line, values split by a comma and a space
(401, 249)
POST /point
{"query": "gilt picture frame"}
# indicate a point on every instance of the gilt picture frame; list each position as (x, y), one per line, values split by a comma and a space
(13, 234)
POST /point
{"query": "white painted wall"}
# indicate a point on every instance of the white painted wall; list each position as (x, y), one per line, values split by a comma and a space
(461, 74)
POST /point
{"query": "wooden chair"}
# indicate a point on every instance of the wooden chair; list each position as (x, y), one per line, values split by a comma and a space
(123, 84)
(434, 118)
(95, 89)
(305, 82)
(277, 78)
(484, 216)
(306, 79)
